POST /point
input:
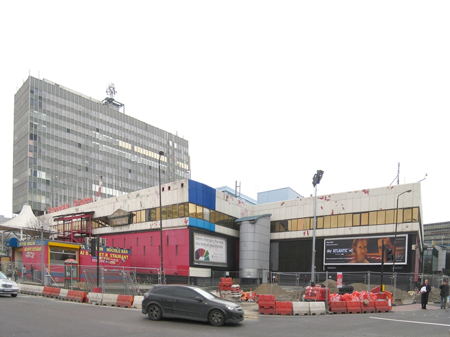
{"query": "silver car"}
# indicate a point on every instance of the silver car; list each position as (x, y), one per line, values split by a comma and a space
(7, 286)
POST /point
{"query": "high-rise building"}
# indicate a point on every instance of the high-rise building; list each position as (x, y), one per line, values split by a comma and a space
(70, 149)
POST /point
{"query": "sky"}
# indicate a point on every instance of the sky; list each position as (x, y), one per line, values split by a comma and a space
(266, 92)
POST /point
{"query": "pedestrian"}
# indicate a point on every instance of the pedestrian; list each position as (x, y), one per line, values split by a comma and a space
(425, 292)
(444, 293)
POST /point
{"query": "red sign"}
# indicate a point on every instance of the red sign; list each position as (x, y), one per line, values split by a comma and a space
(82, 201)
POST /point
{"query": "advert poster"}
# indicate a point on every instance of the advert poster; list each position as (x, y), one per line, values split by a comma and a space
(210, 250)
(364, 250)
(108, 256)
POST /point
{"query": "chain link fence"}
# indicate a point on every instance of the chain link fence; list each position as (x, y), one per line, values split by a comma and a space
(136, 281)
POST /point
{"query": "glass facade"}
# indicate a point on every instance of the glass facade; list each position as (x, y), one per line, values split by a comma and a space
(381, 217)
(69, 147)
(437, 234)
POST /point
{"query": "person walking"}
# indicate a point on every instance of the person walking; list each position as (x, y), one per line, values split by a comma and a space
(444, 293)
(425, 292)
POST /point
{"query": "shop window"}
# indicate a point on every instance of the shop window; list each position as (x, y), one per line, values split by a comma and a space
(192, 210)
(341, 220)
(381, 217)
(364, 219)
(333, 221)
(164, 213)
(327, 222)
(348, 220)
(181, 211)
(293, 225)
(357, 219)
(320, 222)
(373, 218)
(199, 212)
(308, 223)
(399, 216)
(158, 214)
(206, 214)
(407, 215)
(390, 216)
(415, 215)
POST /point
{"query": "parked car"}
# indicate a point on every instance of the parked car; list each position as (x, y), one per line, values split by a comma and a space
(192, 303)
(8, 286)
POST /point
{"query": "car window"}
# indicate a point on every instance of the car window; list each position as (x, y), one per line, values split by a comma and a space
(184, 292)
(205, 294)
(2, 276)
(163, 290)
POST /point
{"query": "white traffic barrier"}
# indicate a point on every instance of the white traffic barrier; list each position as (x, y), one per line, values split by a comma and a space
(95, 298)
(137, 303)
(31, 289)
(109, 299)
(317, 308)
(63, 294)
(300, 308)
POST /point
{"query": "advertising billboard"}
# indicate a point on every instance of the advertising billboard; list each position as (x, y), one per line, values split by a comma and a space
(210, 250)
(364, 250)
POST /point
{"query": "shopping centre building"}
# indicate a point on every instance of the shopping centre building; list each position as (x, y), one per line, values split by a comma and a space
(205, 230)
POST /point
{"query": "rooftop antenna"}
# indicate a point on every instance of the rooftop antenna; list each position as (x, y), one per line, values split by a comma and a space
(425, 177)
(110, 100)
(237, 189)
(397, 177)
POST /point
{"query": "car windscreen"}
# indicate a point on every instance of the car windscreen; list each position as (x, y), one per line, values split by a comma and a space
(205, 294)
(2, 276)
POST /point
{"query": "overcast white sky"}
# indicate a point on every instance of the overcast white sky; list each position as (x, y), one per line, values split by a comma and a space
(266, 92)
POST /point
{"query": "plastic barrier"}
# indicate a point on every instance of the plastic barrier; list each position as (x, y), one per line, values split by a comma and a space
(283, 308)
(31, 289)
(125, 301)
(300, 308)
(51, 292)
(76, 296)
(317, 308)
(109, 299)
(137, 302)
(316, 293)
(63, 294)
(337, 307)
(266, 311)
(368, 306)
(354, 307)
(382, 306)
(95, 298)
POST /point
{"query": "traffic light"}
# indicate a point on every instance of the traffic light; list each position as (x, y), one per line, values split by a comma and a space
(389, 255)
(93, 247)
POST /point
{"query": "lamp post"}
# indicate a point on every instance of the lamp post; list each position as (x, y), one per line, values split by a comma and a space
(395, 232)
(161, 265)
(316, 180)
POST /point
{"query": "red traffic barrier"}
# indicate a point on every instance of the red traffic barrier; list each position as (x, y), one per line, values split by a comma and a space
(267, 311)
(77, 296)
(283, 308)
(368, 306)
(382, 306)
(125, 301)
(266, 304)
(51, 291)
(316, 293)
(266, 298)
(337, 307)
(354, 307)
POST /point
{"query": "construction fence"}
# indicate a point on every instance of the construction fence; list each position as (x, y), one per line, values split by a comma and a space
(136, 281)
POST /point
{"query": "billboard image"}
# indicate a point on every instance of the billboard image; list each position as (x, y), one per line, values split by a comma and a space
(364, 250)
(210, 250)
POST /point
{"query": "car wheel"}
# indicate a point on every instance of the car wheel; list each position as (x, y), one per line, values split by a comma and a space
(216, 317)
(154, 312)
(13, 295)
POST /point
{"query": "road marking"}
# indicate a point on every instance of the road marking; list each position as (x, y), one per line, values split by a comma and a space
(404, 321)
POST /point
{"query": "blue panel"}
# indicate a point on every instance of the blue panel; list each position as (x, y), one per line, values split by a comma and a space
(199, 223)
(202, 195)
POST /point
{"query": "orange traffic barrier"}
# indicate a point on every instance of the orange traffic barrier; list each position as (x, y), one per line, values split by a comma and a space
(283, 308)
(125, 301)
(51, 292)
(77, 296)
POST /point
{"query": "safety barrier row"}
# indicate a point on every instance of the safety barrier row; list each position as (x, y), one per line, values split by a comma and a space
(354, 307)
(31, 289)
(124, 301)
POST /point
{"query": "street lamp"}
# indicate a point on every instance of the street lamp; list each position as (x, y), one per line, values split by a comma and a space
(395, 233)
(316, 180)
(161, 265)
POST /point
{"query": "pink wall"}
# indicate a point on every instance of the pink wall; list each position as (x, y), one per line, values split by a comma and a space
(145, 249)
